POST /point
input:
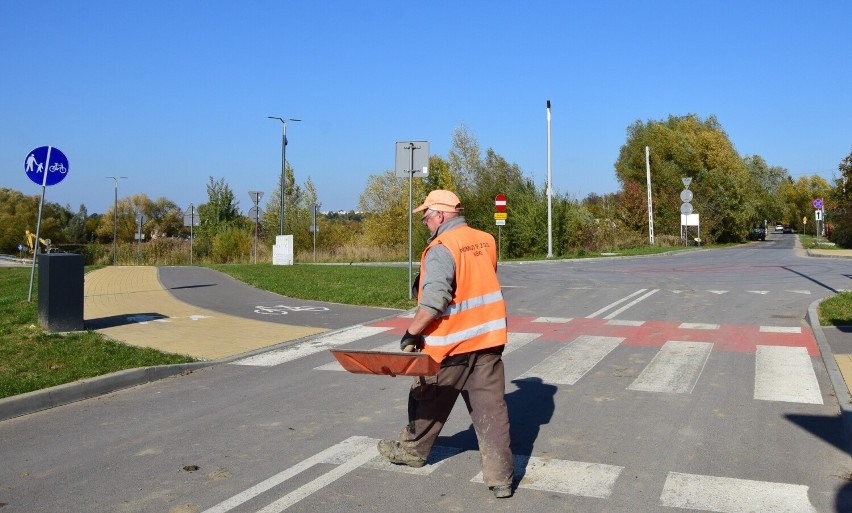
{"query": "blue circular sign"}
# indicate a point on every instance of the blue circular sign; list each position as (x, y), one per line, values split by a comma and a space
(818, 203)
(46, 165)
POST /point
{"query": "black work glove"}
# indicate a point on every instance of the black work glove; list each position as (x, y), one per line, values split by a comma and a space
(411, 340)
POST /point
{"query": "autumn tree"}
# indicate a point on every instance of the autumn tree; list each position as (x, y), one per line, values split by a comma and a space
(687, 146)
(840, 206)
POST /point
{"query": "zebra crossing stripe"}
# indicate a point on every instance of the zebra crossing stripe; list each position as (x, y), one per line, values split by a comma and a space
(729, 495)
(573, 361)
(298, 350)
(560, 320)
(564, 476)
(622, 322)
(780, 329)
(698, 326)
(674, 369)
(519, 340)
(785, 374)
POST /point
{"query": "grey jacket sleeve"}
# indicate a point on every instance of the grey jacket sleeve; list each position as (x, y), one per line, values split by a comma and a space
(440, 277)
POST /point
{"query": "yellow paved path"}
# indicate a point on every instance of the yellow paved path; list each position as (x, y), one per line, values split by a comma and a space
(134, 308)
(844, 363)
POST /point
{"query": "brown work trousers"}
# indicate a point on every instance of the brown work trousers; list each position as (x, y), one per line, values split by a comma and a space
(480, 379)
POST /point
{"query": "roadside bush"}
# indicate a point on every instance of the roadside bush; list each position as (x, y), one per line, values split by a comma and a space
(231, 245)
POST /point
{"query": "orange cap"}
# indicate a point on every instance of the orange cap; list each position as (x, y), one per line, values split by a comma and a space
(442, 200)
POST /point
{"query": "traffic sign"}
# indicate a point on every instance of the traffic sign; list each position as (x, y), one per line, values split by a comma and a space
(46, 165)
(686, 195)
(686, 208)
(500, 203)
(818, 203)
(818, 215)
(498, 216)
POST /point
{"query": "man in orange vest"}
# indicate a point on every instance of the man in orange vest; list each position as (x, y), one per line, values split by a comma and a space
(460, 322)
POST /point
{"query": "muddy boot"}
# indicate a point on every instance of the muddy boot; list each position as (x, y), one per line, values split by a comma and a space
(392, 451)
(502, 491)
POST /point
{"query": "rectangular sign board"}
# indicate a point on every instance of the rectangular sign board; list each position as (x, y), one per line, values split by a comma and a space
(403, 159)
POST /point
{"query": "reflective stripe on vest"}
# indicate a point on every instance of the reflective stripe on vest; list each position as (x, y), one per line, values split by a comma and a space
(453, 308)
(459, 336)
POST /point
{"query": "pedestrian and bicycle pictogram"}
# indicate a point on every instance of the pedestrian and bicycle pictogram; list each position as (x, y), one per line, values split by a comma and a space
(46, 165)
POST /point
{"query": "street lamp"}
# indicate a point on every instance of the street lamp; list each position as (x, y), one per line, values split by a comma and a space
(283, 153)
(115, 217)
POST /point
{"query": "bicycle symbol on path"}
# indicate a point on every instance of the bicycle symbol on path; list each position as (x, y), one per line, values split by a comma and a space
(58, 167)
(284, 309)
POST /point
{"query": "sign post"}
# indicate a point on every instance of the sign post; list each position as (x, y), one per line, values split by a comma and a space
(500, 219)
(412, 161)
(45, 166)
(254, 214)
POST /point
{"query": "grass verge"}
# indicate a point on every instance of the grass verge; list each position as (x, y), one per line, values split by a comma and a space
(837, 310)
(348, 284)
(32, 359)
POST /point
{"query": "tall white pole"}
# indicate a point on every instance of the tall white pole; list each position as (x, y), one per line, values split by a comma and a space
(650, 206)
(549, 191)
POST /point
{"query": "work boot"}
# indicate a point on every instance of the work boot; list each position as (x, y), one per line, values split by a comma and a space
(502, 491)
(393, 451)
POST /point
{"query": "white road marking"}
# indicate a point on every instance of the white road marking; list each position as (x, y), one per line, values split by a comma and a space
(310, 347)
(622, 322)
(785, 374)
(698, 326)
(322, 481)
(674, 369)
(729, 495)
(761, 292)
(553, 319)
(573, 361)
(806, 292)
(518, 340)
(780, 329)
(720, 292)
(613, 305)
(277, 479)
(564, 476)
(630, 304)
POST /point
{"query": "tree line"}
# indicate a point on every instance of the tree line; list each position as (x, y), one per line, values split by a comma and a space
(732, 194)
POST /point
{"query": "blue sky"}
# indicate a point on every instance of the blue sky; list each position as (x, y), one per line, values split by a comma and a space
(171, 93)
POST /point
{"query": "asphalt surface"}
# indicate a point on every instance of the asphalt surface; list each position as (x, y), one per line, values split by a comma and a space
(209, 315)
(273, 428)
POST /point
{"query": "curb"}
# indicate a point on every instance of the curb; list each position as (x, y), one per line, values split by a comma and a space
(823, 255)
(37, 400)
(841, 389)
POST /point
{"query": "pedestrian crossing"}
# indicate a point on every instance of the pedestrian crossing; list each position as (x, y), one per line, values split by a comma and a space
(534, 474)
(783, 365)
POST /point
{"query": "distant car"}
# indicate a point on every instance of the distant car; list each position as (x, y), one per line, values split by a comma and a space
(758, 233)
(787, 229)
(779, 227)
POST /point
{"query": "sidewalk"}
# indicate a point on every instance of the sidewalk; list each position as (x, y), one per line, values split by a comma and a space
(129, 304)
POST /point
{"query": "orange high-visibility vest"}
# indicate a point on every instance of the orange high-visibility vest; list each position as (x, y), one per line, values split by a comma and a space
(476, 317)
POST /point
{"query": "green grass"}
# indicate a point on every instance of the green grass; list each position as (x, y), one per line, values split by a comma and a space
(837, 310)
(809, 242)
(32, 359)
(347, 284)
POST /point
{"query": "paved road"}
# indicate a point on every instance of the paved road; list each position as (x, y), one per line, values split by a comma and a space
(686, 382)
